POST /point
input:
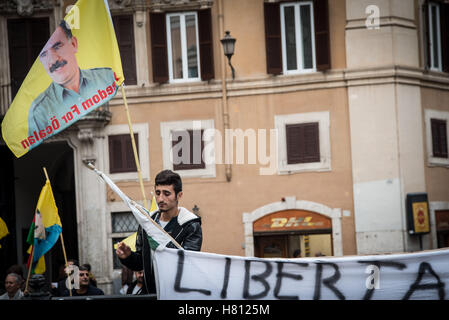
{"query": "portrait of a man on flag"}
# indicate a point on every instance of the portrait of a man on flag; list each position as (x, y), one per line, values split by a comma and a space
(72, 89)
(78, 70)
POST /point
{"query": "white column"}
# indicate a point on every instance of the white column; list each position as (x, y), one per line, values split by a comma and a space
(94, 246)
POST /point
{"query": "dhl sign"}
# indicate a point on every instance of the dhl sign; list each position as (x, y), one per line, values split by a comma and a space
(289, 220)
(294, 222)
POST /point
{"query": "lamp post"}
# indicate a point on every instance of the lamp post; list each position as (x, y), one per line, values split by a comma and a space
(228, 43)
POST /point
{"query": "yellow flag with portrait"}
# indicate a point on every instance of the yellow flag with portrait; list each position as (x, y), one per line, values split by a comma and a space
(78, 70)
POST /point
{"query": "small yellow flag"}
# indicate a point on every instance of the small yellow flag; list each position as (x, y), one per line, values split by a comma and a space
(154, 206)
(130, 241)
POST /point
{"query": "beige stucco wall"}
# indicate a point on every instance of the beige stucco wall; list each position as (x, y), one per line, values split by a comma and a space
(395, 42)
(245, 20)
(223, 203)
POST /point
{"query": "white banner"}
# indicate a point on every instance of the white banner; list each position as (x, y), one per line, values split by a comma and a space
(182, 274)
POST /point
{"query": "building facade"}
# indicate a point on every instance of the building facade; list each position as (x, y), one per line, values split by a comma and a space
(337, 112)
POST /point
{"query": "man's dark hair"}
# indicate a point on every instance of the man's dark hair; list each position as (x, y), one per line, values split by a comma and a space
(66, 28)
(83, 268)
(168, 178)
(88, 266)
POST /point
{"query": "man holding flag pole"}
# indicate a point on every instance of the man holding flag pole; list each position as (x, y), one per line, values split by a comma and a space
(170, 226)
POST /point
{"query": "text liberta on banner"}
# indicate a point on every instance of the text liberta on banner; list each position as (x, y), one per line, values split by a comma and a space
(183, 274)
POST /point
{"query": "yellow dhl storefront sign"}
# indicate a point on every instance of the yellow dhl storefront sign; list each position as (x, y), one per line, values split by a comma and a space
(292, 220)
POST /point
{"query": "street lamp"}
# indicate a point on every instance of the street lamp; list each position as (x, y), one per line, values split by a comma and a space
(228, 43)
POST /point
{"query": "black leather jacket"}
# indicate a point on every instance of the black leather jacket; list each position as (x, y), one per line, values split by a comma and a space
(184, 228)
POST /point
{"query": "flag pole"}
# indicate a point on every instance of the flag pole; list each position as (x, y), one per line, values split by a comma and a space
(133, 142)
(66, 264)
(62, 242)
(29, 268)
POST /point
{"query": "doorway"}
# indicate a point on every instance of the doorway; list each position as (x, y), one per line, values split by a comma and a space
(442, 226)
(25, 181)
(293, 245)
(292, 234)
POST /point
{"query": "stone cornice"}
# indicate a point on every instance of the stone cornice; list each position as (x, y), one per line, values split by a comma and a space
(127, 5)
(390, 21)
(26, 8)
(284, 84)
(170, 5)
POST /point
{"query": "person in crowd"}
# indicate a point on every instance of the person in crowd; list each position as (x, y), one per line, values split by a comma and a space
(127, 278)
(18, 269)
(13, 283)
(86, 288)
(93, 281)
(138, 286)
(61, 288)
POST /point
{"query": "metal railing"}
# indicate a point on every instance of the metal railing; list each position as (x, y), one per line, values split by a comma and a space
(110, 297)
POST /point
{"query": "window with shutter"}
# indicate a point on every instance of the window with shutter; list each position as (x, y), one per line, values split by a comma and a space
(297, 36)
(184, 52)
(159, 47)
(439, 138)
(26, 39)
(436, 19)
(188, 147)
(121, 154)
(183, 47)
(124, 30)
(436, 137)
(206, 44)
(303, 143)
(444, 22)
(192, 143)
(434, 36)
(322, 38)
(273, 38)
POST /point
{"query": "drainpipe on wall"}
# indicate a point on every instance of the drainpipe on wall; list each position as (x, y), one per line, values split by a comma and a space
(224, 95)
